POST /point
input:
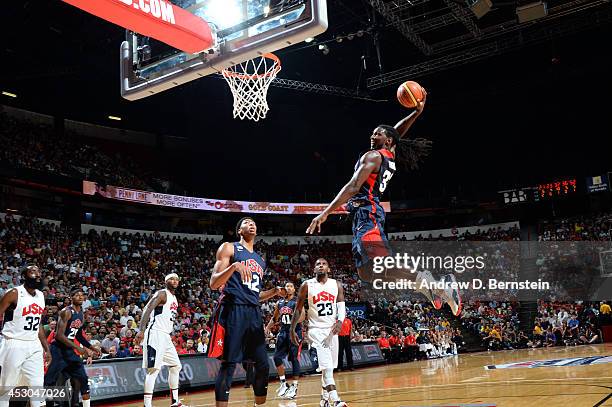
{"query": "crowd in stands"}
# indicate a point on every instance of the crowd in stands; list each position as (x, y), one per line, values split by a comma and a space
(118, 273)
(587, 228)
(39, 147)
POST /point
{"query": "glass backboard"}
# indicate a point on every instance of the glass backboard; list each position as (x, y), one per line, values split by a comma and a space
(244, 29)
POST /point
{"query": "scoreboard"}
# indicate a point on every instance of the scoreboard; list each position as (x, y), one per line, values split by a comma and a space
(557, 189)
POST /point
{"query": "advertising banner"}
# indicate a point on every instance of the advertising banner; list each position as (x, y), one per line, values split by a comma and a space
(117, 378)
(208, 204)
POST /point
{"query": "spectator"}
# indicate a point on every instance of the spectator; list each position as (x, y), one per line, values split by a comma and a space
(344, 337)
(110, 340)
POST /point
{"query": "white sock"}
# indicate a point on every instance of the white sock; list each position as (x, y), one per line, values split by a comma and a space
(324, 394)
(282, 378)
(333, 395)
(174, 396)
(86, 403)
(147, 400)
(295, 382)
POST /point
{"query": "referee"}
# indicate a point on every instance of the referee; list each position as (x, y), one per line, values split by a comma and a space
(344, 340)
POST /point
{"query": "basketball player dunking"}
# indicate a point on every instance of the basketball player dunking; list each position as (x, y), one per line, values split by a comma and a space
(158, 349)
(66, 352)
(21, 351)
(283, 314)
(371, 178)
(326, 311)
(238, 331)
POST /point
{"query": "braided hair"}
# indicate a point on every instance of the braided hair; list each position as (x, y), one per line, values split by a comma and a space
(409, 153)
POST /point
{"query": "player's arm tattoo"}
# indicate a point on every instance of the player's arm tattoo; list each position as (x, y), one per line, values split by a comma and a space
(369, 163)
(158, 299)
(338, 324)
(60, 330)
(274, 318)
(8, 299)
(222, 270)
(340, 292)
(299, 306)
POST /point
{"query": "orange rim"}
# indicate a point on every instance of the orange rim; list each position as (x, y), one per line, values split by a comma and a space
(277, 66)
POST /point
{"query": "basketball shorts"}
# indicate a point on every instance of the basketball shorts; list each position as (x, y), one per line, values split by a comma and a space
(66, 361)
(327, 355)
(285, 348)
(238, 334)
(369, 239)
(21, 363)
(158, 350)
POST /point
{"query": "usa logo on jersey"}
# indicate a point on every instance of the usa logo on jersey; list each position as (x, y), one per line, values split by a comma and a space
(323, 296)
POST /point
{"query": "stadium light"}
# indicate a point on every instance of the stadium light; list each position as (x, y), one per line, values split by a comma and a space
(226, 14)
(117, 118)
(9, 94)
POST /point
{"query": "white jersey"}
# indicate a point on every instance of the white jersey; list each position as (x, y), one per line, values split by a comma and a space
(23, 321)
(322, 300)
(164, 315)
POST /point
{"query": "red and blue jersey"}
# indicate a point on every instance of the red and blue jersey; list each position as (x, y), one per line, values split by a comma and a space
(73, 326)
(373, 188)
(235, 291)
(286, 308)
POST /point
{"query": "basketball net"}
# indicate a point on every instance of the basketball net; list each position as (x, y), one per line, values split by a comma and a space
(249, 83)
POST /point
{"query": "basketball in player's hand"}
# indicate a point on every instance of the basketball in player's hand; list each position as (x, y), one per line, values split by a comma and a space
(409, 94)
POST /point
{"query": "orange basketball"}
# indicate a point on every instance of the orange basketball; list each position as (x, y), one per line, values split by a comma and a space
(409, 94)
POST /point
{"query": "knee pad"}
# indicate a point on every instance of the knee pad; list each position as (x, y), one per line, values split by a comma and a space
(328, 377)
(224, 381)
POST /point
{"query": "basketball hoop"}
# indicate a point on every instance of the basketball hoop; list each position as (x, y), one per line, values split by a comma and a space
(249, 83)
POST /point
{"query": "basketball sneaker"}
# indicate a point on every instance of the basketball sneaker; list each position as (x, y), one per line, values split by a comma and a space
(451, 295)
(282, 389)
(428, 292)
(291, 392)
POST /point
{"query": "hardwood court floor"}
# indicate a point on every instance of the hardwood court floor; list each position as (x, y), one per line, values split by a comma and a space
(453, 380)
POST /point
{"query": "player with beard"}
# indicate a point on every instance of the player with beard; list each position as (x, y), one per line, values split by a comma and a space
(158, 350)
(25, 343)
(326, 311)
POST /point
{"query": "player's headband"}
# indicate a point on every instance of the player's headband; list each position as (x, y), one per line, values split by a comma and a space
(171, 275)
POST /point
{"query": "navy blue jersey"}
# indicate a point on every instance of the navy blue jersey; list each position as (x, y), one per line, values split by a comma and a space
(237, 292)
(373, 188)
(73, 326)
(285, 314)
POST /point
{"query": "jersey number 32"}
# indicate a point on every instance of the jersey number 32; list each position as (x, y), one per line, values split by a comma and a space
(33, 323)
